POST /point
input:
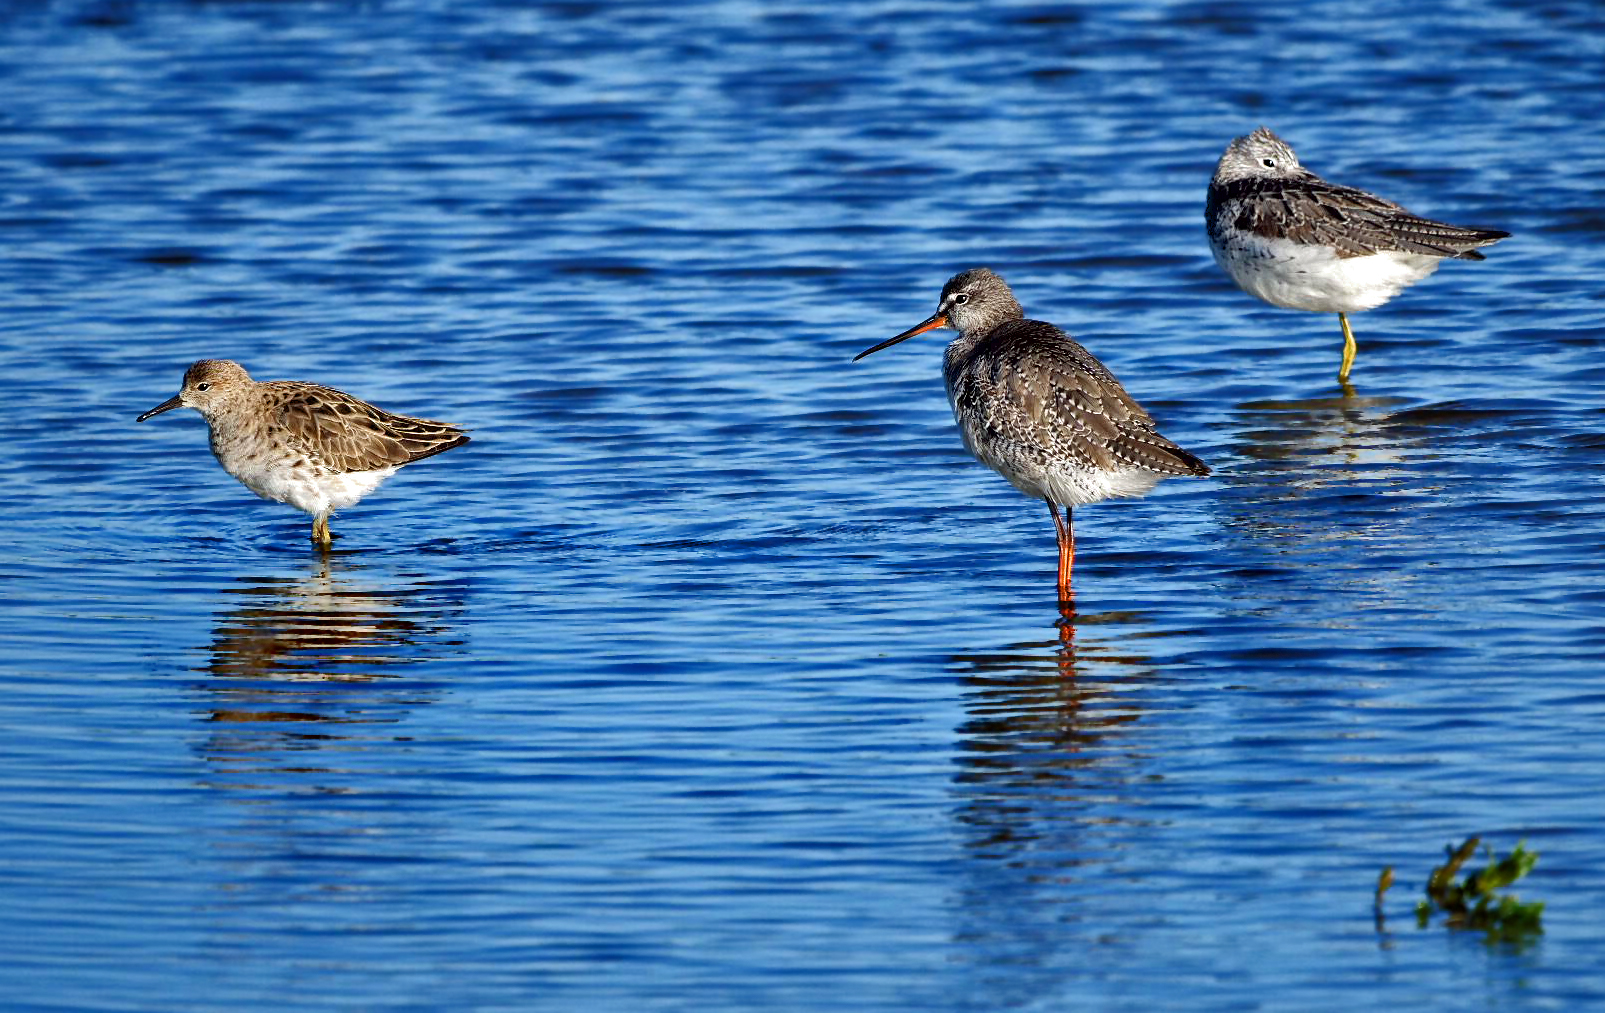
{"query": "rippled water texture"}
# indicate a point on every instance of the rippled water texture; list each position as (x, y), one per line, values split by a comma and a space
(714, 675)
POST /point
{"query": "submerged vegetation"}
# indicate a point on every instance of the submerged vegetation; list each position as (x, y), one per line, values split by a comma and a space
(1472, 903)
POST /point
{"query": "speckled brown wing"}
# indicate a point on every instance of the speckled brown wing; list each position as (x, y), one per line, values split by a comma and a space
(1060, 404)
(347, 435)
(1353, 222)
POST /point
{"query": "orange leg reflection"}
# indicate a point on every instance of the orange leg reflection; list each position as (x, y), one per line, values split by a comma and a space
(1067, 597)
(1065, 660)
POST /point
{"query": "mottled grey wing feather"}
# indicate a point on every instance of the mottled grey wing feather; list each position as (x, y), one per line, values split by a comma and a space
(1038, 392)
(346, 434)
(1353, 222)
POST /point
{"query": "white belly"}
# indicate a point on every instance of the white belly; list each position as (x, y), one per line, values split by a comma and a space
(312, 493)
(1078, 488)
(1300, 277)
(1062, 483)
(273, 475)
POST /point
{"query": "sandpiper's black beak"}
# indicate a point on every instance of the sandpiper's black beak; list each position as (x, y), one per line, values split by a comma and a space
(931, 323)
(176, 401)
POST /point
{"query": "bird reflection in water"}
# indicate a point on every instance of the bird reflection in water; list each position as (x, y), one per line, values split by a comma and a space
(314, 663)
(1051, 741)
(1042, 717)
(1329, 481)
(1321, 442)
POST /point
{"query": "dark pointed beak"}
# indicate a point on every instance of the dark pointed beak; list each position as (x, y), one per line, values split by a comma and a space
(166, 406)
(931, 323)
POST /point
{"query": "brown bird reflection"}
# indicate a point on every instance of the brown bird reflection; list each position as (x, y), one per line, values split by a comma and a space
(1048, 723)
(298, 661)
(1047, 758)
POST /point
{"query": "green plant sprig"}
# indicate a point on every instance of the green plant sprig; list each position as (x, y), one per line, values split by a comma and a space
(1472, 904)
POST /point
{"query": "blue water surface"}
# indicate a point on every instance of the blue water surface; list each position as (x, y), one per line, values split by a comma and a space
(713, 674)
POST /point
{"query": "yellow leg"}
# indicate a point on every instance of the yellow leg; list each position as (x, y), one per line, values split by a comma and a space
(1349, 348)
(320, 531)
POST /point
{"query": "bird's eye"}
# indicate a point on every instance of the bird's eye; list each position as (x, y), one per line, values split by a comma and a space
(962, 298)
(1269, 163)
(203, 386)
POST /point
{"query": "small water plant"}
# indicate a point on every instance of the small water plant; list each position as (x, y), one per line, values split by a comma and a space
(1472, 903)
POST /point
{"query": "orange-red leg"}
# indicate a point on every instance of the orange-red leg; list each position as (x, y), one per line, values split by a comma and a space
(1067, 548)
